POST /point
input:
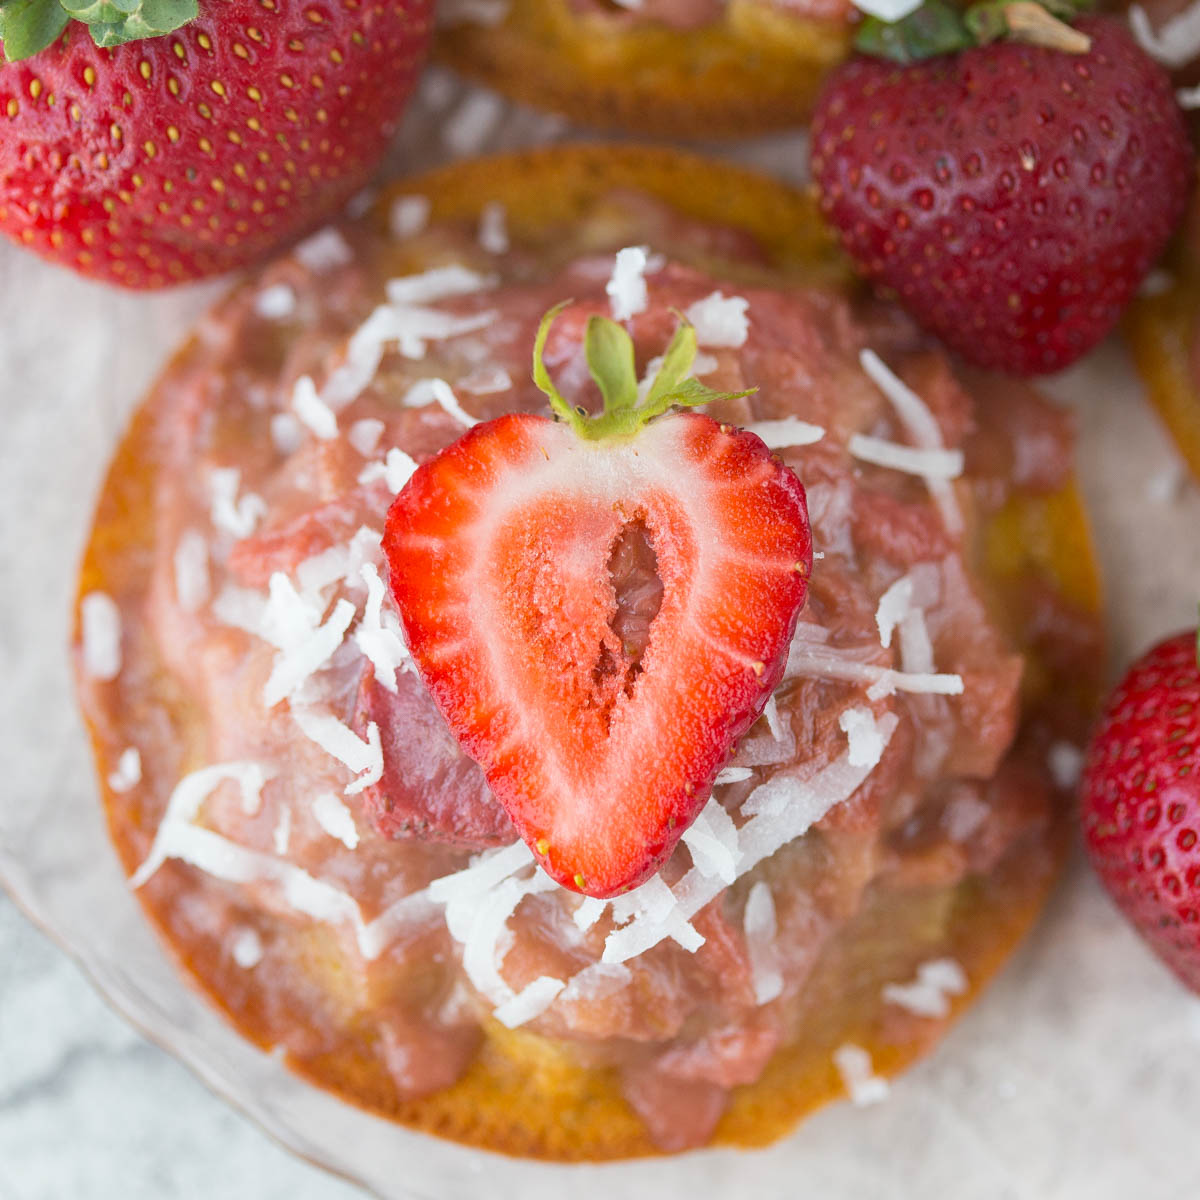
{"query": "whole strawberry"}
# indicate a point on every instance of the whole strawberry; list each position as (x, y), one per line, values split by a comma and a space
(1013, 196)
(1141, 801)
(197, 149)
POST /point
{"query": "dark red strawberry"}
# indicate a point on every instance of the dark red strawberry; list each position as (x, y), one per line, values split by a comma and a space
(1141, 801)
(1012, 196)
(601, 715)
(190, 153)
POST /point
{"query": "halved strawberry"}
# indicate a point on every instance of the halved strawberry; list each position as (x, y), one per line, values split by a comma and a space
(502, 553)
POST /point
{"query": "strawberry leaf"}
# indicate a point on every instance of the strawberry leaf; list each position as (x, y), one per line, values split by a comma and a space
(691, 392)
(112, 22)
(28, 26)
(609, 351)
(935, 28)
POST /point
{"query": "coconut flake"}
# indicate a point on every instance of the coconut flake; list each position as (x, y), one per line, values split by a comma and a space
(364, 758)
(396, 470)
(759, 924)
(862, 733)
(312, 410)
(128, 771)
(589, 912)
(732, 775)
(929, 464)
(324, 251)
(812, 660)
(929, 994)
(713, 842)
(281, 835)
(790, 431)
(275, 303)
(466, 132)
(720, 320)
(239, 517)
(1065, 761)
(185, 802)
(438, 283)
(493, 228)
(286, 433)
(302, 657)
(774, 722)
(894, 605)
(335, 819)
(531, 1001)
(100, 630)
(488, 13)
(626, 287)
(1176, 43)
(247, 949)
(378, 634)
(438, 391)
(192, 583)
(486, 381)
(364, 435)
(408, 216)
(921, 425)
(858, 1075)
(888, 10)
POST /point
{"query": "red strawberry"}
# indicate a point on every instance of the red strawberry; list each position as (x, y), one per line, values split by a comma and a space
(1013, 196)
(502, 550)
(1141, 801)
(188, 154)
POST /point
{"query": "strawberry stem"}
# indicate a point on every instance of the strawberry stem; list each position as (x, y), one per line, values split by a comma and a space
(939, 28)
(609, 351)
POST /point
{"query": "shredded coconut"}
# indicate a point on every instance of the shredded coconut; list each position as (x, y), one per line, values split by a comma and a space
(862, 733)
(626, 287)
(789, 431)
(531, 1001)
(275, 303)
(858, 1075)
(589, 912)
(128, 771)
(300, 657)
(312, 410)
(185, 802)
(335, 819)
(408, 216)
(720, 320)
(192, 583)
(281, 835)
(438, 283)
(887, 10)
(378, 634)
(732, 775)
(929, 994)
(1065, 761)
(100, 626)
(1176, 43)
(813, 660)
(286, 433)
(364, 435)
(493, 228)
(760, 927)
(922, 427)
(438, 391)
(239, 517)
(396, 469)
(712, 840)
(486, 381)
(247, 949)
(466, 132)
(929, 464)
(324, 251)
(339, 741)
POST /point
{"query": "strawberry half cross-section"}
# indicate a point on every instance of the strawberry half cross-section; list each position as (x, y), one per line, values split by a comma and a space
(601, 698)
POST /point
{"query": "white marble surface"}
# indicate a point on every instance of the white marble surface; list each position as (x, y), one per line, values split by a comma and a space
(1077, 1076)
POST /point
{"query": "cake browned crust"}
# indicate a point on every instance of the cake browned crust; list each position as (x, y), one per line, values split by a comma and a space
(531, 1090)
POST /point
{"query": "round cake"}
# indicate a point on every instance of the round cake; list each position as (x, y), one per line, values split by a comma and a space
(328, 865)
